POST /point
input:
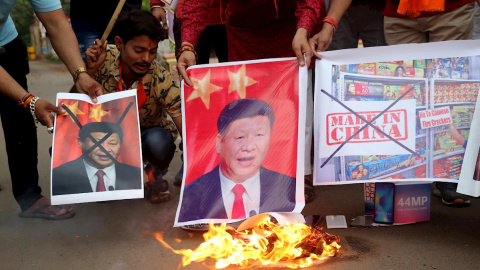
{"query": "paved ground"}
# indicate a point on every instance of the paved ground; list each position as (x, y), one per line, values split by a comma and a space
(119, 235)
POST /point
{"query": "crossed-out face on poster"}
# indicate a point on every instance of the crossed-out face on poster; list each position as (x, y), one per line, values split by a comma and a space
(397, 113)
(96, 149)
(242, 122)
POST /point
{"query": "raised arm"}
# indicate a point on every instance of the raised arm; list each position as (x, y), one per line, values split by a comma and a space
(156, 7)
(308, 14)
(94, 58)
(66, 46)
(322, 40)
(193, 20)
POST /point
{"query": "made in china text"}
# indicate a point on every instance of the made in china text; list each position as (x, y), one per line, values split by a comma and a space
(342, 126)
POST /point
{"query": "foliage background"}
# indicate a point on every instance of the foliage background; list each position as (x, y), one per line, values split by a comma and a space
(22, 15)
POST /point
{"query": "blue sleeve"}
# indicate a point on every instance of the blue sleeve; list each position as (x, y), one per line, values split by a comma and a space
(45, 5)
(465, 144)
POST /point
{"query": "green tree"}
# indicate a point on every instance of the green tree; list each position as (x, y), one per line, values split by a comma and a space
(22, 15)
(66, 7)
(146, 5)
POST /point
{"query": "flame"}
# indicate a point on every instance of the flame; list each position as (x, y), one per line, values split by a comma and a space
(294, 246)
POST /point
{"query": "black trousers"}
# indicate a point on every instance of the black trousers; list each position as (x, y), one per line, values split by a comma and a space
(213, 37)
(19, 129)
(363, 19)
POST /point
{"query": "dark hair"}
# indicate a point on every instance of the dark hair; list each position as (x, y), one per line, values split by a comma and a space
(243, 108)
(135, 23)
(105, 127)
(398, 68)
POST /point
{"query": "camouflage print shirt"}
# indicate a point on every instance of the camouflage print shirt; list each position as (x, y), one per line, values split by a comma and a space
(163, 94)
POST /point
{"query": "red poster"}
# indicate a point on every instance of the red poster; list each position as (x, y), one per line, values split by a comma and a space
(277, 84)
(241, 123)
(96, 148)
(66, 133)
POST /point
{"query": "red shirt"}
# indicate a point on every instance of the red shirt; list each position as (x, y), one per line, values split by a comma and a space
(215, 13)
(308, 13)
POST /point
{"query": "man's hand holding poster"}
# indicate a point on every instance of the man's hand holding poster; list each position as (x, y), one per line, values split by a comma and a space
(96, 149)
(244, 126)
(423, 96)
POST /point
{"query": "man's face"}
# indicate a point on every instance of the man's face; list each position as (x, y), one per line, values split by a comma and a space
(97, 157)
(365, 172)
(137, 54)
(243, 147)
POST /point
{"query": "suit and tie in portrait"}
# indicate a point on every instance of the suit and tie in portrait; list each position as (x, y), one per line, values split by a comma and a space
(97, 169)
(72, 178)
(279, 196)
(239, 186)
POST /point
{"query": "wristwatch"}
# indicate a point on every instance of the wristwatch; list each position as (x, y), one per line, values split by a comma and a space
(77, 72)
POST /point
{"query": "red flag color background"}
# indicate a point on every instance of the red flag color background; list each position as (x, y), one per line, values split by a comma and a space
(66, 130)
(215, 86)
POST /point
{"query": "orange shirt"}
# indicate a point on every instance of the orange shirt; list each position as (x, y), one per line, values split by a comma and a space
(391, 8)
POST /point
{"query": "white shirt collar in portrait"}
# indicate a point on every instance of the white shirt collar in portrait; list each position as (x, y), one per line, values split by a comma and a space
(108, 179)
(251, 196)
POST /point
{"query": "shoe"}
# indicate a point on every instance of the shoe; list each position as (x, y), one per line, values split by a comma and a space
(157, 191)
(450, 196)
(43, 209)
(179, 177)
(309, 191)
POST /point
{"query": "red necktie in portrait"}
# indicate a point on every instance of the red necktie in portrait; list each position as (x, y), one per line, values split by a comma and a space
(100, 183)
(238, 210)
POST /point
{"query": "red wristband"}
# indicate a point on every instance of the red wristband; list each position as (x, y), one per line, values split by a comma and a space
(331, 21)
(24, 98)
(189, 49)
(25, 103)
(187, 45)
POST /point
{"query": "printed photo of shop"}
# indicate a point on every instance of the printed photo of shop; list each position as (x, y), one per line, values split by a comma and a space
(449, 83)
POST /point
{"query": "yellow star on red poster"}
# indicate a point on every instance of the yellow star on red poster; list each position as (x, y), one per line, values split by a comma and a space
(239, 82)
(97, 113)
(202, 89)
(74, 109)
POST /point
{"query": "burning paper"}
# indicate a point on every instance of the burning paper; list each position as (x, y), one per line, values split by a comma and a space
(294, 246)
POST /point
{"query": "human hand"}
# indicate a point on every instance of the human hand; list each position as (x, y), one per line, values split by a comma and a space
(321, 41)
(301, 47)
(85, 84)
(95, 56)
(185, 60)
(161, 15)
(44, 110)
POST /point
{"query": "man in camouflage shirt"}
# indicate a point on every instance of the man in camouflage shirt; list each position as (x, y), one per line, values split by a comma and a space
(130, 64)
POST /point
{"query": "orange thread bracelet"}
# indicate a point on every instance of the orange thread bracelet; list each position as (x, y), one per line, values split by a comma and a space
(24, 98)
(26, 102)
(188, 48)
(331, 21)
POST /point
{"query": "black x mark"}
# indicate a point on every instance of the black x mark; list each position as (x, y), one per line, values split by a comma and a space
(368, 123)
(98, 143)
